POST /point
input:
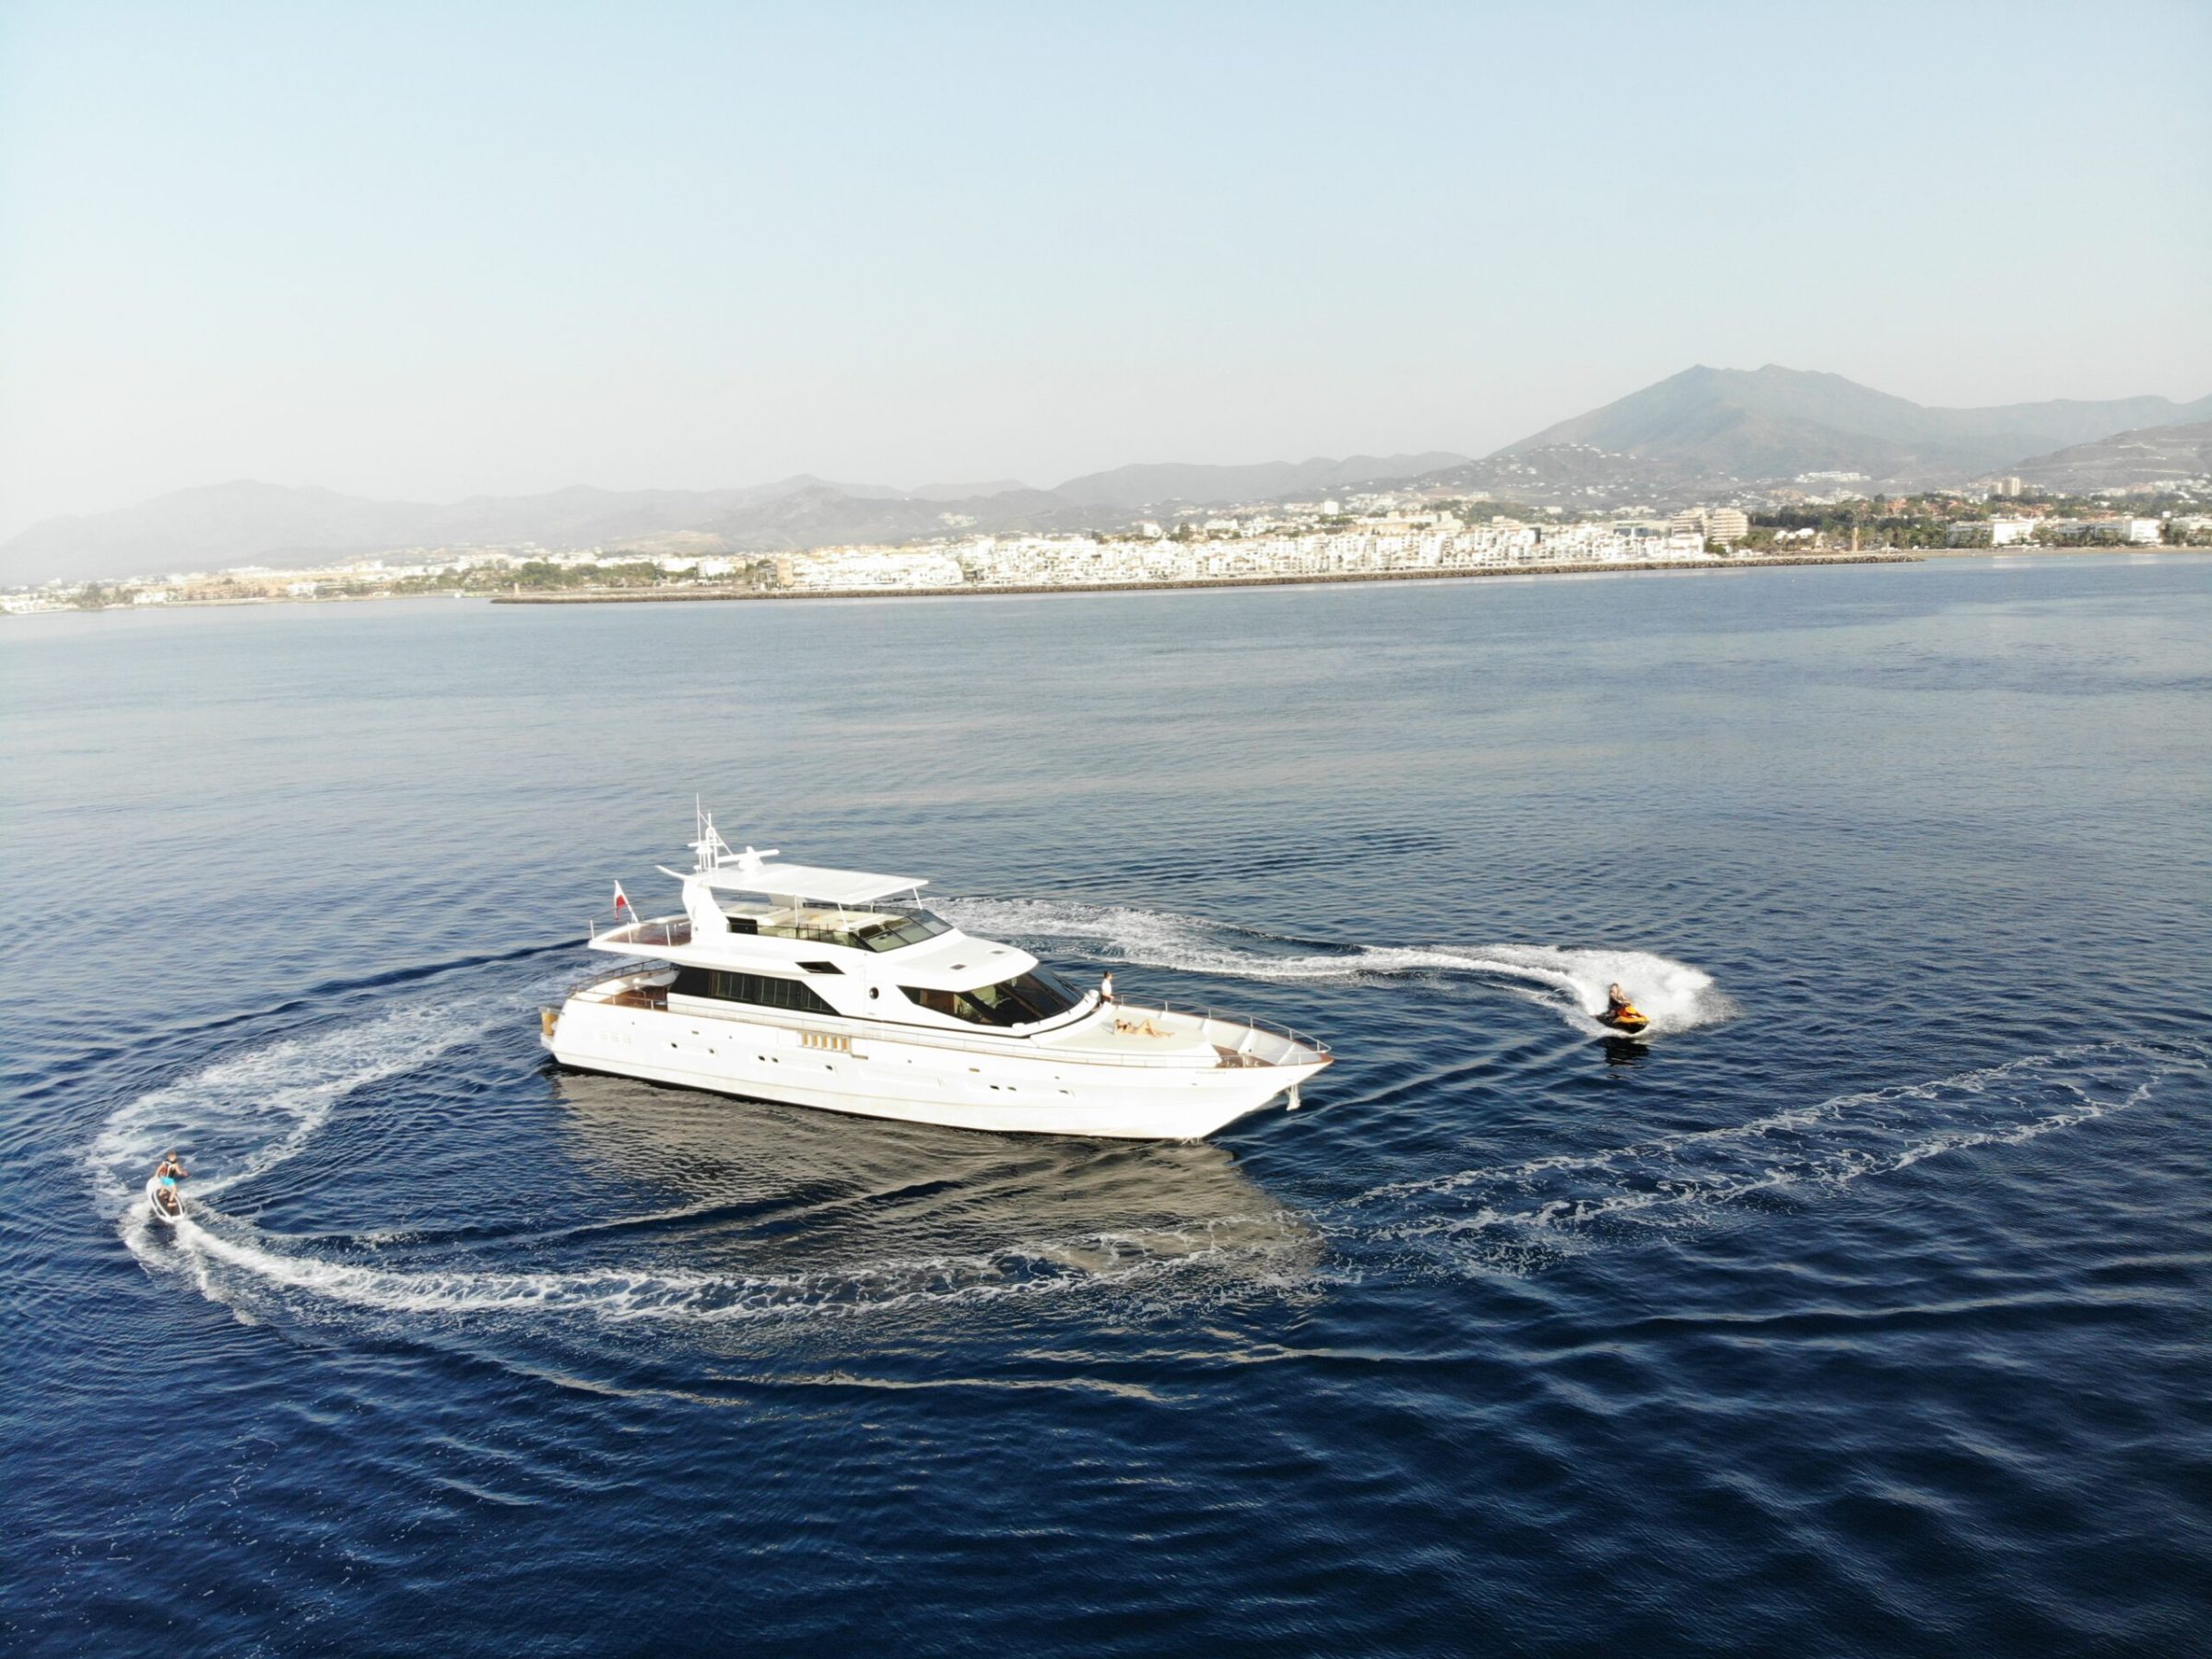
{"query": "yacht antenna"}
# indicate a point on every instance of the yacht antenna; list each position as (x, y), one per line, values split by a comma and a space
(711, 852)
(703, 837)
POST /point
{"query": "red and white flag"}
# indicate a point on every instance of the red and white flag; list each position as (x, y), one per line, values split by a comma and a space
(621, 901)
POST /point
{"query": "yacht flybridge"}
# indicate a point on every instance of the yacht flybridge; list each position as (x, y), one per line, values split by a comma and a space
(836, 989)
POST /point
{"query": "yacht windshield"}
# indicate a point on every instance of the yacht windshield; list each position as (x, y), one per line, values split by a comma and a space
(1023, 1000)
(892, 931)
(859, 930)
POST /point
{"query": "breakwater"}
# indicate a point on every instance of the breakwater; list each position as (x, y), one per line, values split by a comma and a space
(1639, 567)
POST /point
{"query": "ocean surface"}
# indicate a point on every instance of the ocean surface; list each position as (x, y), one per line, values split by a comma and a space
(1865, 1310)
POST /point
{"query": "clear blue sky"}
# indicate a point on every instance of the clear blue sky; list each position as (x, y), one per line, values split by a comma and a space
(427, 251)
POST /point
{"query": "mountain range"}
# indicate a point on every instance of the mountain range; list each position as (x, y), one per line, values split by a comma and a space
(1776, 423)
(1701, 434)
(223, 525)
(2164, 457)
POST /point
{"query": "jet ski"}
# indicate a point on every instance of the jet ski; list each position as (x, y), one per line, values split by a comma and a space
(1628, 1020)
(168, 1206)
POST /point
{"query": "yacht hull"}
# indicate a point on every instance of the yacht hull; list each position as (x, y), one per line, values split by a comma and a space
(867, 1076)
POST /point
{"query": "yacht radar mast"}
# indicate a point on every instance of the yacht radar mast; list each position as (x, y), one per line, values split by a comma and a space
(711, 852)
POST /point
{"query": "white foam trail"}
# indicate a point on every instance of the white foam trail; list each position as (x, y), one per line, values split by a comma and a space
(244, 1117)
(1508, 1217)
(1119, 1260)
(1562, 1203)
(246, 1114)
(1677, 997)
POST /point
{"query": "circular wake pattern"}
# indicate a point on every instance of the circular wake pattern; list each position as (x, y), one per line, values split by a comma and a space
(1190, 1218)
(240, 1117)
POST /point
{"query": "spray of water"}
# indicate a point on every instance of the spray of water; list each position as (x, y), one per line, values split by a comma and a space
(1573, 982)
(1101, 1261)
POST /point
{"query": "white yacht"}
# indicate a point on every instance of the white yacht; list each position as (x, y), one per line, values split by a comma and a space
(836, 989)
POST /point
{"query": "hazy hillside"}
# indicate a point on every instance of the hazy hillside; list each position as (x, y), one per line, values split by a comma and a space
(825, 516)
(2166, 455)
(226, 524)
(966, 492)
(1704, 433)
(1775, 423)
(1578, 476)
(219, 523)
(1174, 482)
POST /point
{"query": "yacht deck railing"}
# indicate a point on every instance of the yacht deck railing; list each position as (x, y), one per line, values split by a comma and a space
(1208, 1021)
(667, 932)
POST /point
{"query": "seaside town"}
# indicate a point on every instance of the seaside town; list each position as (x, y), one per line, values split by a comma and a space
(1359, 536)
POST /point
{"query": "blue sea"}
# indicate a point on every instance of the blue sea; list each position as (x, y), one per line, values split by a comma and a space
(1867, 1310)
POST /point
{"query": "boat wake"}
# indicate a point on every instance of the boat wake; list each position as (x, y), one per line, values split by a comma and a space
(246, 1114)
(1116, 1261)
(1521, 1216)
(1571, 982)
(244, 1117)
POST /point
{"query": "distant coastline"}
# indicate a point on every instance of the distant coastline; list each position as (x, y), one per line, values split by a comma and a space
(1641, 567)
(708, 594)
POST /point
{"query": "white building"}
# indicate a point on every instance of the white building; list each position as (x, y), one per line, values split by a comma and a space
(1373, 548)
(834, 568)
(1723, 525)
(2136, 532)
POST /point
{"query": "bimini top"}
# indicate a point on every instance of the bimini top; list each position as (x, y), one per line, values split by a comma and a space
(843, 887)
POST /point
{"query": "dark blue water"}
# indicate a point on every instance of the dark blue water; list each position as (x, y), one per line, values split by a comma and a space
(1866, 1311)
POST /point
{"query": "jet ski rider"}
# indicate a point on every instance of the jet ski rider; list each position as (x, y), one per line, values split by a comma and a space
(168, 1172)
(1619, 1010)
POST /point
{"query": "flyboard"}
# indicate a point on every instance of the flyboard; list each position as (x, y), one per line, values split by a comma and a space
(160, 1199)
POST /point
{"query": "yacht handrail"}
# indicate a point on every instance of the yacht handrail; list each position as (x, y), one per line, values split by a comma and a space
(1211, 1016)
(618, 970)
(674, 931)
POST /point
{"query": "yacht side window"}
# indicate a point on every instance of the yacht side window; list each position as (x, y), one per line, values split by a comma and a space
(761, 989)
